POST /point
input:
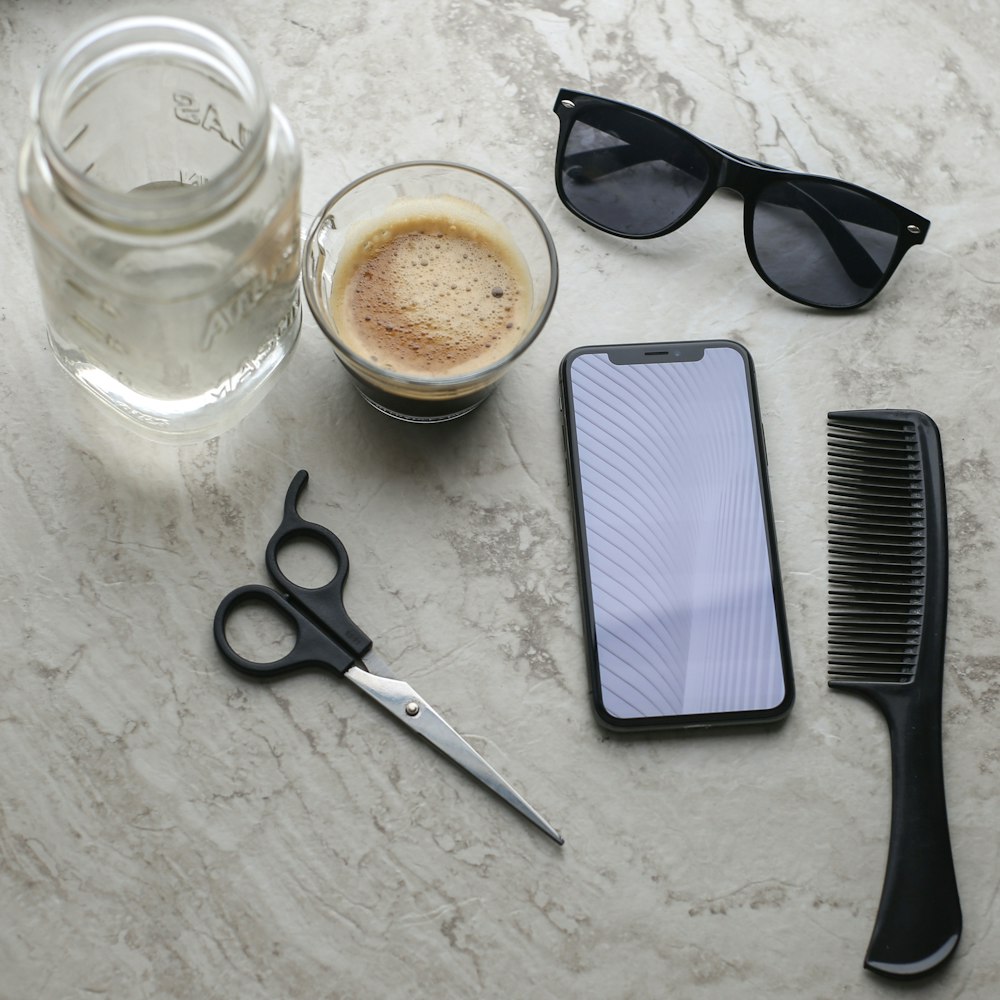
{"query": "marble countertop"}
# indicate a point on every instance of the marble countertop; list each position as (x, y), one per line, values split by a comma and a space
(168, 830)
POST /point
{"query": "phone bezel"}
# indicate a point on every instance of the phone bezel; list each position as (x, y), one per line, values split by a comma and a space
(669, 352)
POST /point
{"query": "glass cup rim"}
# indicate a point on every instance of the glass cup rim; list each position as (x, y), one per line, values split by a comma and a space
(434, 381)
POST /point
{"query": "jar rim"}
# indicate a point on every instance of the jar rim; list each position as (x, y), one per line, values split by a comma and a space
(98, 50)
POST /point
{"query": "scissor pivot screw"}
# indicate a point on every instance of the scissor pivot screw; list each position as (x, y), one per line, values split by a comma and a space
(412, 708)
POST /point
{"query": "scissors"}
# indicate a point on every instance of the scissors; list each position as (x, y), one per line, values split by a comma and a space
(326, 638)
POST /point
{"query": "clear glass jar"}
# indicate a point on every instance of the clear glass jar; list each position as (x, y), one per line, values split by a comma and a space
(161, 190)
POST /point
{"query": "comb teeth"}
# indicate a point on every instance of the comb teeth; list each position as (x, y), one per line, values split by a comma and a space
(877, 548)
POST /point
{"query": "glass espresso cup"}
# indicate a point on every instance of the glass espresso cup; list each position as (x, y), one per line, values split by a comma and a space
(430, 279)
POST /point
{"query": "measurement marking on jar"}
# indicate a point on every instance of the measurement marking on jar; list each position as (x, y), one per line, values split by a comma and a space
(76, 138)
(95, 331)
(85, 293)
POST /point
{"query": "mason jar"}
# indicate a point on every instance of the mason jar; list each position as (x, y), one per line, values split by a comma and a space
(161, 190)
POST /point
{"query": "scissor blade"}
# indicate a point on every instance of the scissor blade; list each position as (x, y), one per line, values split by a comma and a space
(402, 701)
(374, 664)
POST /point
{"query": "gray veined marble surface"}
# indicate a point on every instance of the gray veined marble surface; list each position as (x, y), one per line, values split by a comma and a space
(168, 830)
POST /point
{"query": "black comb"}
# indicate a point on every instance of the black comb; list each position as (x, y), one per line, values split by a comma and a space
(888, 534)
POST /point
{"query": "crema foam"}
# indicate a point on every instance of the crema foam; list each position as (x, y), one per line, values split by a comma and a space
(433, 287)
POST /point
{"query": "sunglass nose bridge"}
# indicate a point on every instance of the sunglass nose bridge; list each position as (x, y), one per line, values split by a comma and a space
(733, 171)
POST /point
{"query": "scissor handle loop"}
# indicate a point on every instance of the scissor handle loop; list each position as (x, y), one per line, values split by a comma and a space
(312, 648)
(325, 603)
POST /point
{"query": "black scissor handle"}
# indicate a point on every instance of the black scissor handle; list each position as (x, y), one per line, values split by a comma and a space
(312, 648)
(325, 603)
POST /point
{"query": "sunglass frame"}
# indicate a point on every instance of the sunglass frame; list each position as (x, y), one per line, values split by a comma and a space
(745, 176)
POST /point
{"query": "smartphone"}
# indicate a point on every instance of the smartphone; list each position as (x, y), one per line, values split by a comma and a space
(682, 605)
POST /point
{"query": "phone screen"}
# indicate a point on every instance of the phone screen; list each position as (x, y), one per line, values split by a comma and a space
(682, 593)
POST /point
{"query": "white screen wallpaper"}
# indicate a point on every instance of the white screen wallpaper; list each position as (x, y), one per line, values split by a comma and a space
(676, 537)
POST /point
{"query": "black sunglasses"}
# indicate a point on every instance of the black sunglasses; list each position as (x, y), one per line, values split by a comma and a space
(816, 240)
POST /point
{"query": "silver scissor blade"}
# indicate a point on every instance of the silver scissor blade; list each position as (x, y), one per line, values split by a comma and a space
(402, 701)
(374, 664)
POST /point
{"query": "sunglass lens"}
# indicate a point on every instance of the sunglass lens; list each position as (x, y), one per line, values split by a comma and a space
(823, 243)
(629, 174)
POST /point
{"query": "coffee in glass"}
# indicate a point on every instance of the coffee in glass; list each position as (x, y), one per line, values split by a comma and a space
(429, 279)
